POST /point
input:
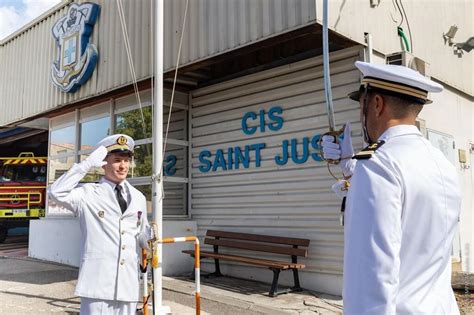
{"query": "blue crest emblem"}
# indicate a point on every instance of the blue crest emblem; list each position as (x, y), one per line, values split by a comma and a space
(77, 57)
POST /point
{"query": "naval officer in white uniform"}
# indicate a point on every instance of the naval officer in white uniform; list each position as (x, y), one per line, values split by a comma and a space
(114, 227)
(402, 205)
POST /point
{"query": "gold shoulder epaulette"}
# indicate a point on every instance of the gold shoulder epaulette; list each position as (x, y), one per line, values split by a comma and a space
(368, 151)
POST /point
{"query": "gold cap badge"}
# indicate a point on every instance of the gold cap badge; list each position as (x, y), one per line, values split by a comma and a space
(122, 140)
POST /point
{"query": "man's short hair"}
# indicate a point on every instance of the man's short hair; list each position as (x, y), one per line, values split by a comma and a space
(399, 106)
(124, 153)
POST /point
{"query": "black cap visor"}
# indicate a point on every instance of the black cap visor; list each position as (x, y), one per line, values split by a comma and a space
(120, 151)
(355, 96)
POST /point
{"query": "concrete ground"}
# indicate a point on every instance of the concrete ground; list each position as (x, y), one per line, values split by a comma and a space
(29, 286)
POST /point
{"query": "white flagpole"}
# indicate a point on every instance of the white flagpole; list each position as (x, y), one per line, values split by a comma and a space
(157, 185)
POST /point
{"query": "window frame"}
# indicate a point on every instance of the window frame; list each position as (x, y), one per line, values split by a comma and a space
(110, 110)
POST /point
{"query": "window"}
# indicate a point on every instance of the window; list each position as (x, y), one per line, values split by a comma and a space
(62, 150)
(59, 166)
(62, 141)
(174, 203)
(93, 131)
(93, 175)
(131, 123)
(142, 161)
(74, 136)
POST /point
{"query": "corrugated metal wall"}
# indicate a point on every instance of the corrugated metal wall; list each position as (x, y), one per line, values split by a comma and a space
(292, 200)
(213, 27)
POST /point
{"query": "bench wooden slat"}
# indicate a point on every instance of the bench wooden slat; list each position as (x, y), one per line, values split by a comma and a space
(259, 238)
(287, 246)
(258, 247)
(253, 261)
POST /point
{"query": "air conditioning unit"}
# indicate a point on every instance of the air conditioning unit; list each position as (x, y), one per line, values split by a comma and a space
(421, 125)
(404, 58)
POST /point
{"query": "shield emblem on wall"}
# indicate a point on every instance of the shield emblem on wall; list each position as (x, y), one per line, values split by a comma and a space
(69, 52)
(76, 55)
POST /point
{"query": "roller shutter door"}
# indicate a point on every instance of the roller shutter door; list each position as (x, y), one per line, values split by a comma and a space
(293, 199)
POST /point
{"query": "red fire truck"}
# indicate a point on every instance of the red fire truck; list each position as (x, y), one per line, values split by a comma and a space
(22, 191)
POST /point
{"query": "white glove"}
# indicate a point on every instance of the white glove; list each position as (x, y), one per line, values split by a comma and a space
(343, 151)
(340, 188)
(95, 159)
(143, 241)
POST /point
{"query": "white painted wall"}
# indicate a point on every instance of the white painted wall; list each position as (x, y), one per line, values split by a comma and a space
(453, 113)
(428, 20)
(58, 240)
(55, 240)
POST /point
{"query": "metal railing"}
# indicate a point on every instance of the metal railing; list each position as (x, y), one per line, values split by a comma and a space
(197, 263)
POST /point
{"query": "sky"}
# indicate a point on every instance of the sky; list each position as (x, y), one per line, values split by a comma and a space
(16, 13)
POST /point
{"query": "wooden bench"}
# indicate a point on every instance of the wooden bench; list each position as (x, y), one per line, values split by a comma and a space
(292, 247)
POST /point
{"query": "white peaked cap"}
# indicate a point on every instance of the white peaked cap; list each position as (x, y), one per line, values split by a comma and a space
(398, 80)
(118, 143)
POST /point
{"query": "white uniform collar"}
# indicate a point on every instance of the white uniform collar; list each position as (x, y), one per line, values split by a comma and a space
(399, 130)
(112, 184)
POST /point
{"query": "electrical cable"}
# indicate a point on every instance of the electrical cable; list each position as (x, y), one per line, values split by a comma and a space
(134, 76)
(408, 24)
(175, 77)
(399, 11)
(130, 61)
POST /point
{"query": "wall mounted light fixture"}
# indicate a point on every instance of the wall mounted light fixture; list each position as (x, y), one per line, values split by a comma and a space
(467, 46)
(449, 36)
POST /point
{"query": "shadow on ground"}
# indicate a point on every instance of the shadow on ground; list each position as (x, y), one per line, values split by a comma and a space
(66, 305)
(232, 284)
(26, 270)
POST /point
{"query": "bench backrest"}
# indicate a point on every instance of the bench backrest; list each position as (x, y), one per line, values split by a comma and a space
(256, 242)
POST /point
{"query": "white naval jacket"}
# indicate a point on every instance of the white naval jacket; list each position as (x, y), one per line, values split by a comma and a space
(109, 266)
(402, 209)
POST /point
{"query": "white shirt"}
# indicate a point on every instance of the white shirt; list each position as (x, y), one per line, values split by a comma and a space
(125, 191)
(401, 213)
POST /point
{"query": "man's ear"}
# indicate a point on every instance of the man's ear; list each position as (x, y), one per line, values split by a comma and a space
(380, 105)
(105, 160)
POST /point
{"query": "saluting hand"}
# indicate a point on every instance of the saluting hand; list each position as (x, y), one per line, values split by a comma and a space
(96, 158)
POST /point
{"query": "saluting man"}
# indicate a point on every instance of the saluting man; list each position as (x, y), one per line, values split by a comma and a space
(402, 205)
(114, 227)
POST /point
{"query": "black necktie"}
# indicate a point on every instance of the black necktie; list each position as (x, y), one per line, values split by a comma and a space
(121, 201)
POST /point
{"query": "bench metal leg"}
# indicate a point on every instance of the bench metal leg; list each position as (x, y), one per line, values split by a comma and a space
(274, 289)
(217, 271)
(296, 278)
